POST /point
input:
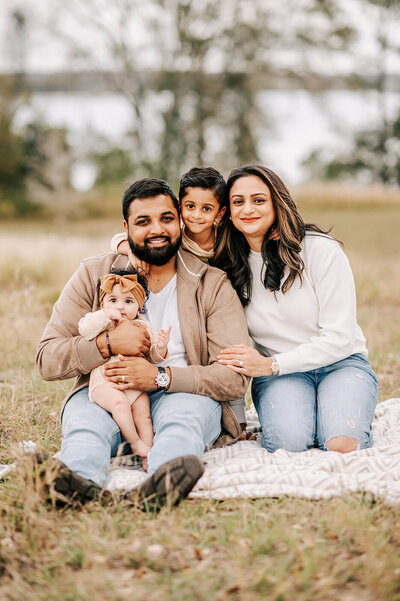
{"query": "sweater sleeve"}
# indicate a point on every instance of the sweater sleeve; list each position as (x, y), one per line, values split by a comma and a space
(225, 326)
(62, 352)
(331, 276)
(92, 324)
(116, 240)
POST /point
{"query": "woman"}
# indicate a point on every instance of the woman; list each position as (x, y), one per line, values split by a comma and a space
(312, 382)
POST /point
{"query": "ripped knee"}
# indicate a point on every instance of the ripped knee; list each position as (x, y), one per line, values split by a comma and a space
(342, 444)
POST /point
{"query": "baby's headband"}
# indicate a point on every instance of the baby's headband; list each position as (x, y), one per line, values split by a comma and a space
(127, 283)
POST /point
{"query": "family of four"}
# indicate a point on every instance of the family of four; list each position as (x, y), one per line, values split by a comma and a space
(198, 296)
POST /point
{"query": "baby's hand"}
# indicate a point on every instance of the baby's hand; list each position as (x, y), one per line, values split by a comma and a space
(113, 314)
(163, 339)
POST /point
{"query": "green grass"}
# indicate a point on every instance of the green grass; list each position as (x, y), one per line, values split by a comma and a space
(280, 549)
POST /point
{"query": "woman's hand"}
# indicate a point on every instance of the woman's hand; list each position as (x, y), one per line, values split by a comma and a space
(245, 360)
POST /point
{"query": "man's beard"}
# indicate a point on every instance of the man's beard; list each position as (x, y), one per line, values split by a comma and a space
(154, 255)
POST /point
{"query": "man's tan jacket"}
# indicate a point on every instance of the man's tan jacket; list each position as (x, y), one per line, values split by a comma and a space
(210, 316)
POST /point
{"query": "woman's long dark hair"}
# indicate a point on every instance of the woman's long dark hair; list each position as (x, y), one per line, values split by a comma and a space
(232, 249)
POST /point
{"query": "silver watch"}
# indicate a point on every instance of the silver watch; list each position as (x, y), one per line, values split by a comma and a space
(162, 378)
(274, 367)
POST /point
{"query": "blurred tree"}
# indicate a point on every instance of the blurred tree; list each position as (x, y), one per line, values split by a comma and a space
(18, 48)
(374, 153)
(34, 159)
(113, 165)
(373, 157)
(193, 71)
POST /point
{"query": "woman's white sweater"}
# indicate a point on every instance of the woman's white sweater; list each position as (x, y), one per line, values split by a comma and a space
(314, 324)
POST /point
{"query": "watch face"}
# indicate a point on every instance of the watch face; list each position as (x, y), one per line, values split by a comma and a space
(162, 380)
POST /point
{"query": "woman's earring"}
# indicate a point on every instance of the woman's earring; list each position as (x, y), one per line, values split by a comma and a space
(216, 222)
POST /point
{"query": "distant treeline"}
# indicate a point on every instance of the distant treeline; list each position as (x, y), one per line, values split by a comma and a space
(99, 81)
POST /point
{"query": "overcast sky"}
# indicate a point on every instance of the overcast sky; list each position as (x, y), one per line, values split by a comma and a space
(44, 52)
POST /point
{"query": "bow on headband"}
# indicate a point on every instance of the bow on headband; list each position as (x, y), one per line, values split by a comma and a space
(127, 283)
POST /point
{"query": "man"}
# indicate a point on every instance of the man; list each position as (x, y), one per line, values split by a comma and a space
(187, 394)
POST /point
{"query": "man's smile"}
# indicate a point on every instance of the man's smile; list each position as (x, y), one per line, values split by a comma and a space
(157, 241)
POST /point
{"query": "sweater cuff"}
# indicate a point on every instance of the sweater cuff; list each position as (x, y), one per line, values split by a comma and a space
(180, 382)
(288, 362)
(89, 355)
(116, 241)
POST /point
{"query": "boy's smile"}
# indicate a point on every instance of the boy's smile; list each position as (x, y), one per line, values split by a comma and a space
(199, 210)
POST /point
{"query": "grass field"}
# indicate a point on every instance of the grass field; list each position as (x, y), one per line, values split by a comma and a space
(279, 549)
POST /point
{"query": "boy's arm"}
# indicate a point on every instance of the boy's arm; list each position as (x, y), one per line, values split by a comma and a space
(119, 244)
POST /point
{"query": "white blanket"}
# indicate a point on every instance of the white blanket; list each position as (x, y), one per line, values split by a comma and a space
(245, 469)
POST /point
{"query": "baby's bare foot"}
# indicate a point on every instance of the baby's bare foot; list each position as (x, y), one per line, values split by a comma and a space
(140, 448)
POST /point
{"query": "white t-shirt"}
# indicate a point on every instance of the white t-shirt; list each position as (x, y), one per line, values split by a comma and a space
(314, 324)
(161, 310)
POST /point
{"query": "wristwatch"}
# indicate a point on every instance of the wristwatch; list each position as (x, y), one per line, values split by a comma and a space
(162, 378)
(274, 367)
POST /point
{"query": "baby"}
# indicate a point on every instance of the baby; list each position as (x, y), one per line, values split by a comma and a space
(122, 294)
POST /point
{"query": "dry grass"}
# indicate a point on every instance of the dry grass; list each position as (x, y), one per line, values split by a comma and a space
(282, 550)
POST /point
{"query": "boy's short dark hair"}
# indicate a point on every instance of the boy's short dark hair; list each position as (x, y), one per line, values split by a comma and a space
(206, 178)
(149, 187)
(142, 280)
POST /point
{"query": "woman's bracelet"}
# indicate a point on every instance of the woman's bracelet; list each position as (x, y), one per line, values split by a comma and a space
(108, 344)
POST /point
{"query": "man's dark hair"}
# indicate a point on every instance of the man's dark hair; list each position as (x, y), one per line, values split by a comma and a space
(206, 178)
(146, 188)
(142, 280)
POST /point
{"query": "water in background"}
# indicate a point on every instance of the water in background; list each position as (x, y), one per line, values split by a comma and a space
(299, 122)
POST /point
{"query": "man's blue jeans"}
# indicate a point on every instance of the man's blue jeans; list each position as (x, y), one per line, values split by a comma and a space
(299, 410)
(184, 424)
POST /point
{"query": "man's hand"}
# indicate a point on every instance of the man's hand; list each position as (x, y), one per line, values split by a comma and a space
(131, 372)
(126, 339)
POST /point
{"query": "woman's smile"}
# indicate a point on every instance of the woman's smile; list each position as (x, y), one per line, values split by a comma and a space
(252, 209)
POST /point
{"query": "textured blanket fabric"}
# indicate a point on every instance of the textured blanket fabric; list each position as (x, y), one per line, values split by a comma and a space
(245, 469)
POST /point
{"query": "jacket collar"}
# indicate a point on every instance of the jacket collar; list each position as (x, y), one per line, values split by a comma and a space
(190, 267)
